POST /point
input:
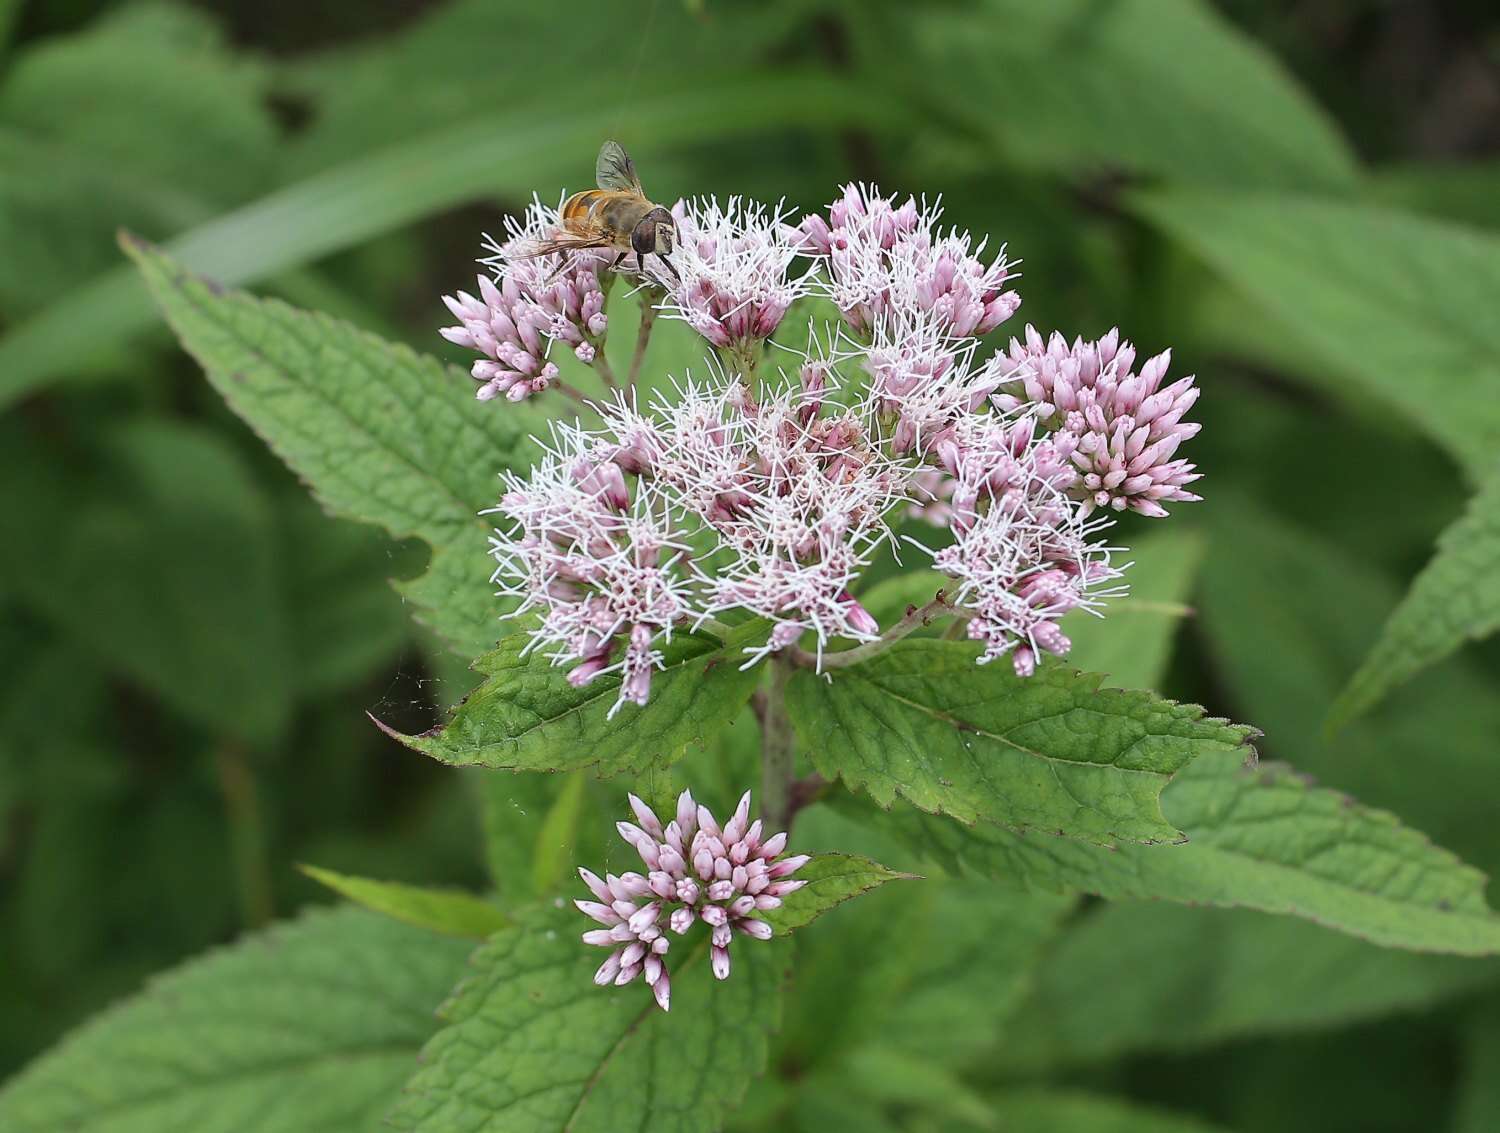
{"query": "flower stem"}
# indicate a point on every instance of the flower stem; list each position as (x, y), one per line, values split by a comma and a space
(602, 367)
(247, 836)
(916, 618)
(642, 339)
(777, 753)
(566, 390)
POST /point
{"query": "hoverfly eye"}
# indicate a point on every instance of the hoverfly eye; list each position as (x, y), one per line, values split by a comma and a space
(644, 239)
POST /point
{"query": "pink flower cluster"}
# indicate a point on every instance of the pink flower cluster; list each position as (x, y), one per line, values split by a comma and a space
(734, 261)
(597, 557)
(695, 870)
(885, 259)
(531, 302)
(1124, 427)
(712, 502)
(772, 494)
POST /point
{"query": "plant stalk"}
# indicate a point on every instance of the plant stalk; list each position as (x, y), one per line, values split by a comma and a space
(247, 835)
(916, 618)
(642, 340)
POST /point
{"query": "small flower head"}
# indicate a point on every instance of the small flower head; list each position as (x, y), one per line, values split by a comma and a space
(599, 558)
(735, 261)
(1125, 426)
(694, 870)
(1023, 554)
(885, 260)
(529, 302)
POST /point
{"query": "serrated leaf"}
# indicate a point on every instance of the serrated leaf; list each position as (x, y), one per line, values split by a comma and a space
(527, 717)
(831, 880)
(532, 1044)
(1132, 643)
(1204, 976)
(1455, 599)
(380, 433)
(450, 911)
(1168, 87)
(1053, 751)
(1422, 340)
(1059, 1110)
(310, 1027)
(1259, 838)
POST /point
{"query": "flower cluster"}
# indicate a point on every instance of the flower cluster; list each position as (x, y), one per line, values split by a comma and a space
(885, 260)
(712, 502)
(771, 494)
(528, 302)
(734, 261)
(1123, 426)
(695, 870)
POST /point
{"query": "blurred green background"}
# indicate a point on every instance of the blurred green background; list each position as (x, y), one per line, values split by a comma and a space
(1301, 198)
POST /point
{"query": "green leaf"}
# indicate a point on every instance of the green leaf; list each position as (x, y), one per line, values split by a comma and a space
(1260, 838)
(157, 551)
(380, 433)
(1455, 599)
(1467, 192)
(555, 840)
(527, 717)
(1054, 1110)
(450, 911)
(955, 959)
(345, 620)
(1133, 641)
(310, 1027)
(831, 880)
(516, 152)
(1289, 614)
(1154, 86)
(1053, 751)
(1422, 340)
(897, 1077)
(532, 1044)
(1202, 976)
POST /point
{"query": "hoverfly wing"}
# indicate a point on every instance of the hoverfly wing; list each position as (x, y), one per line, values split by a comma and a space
(564, 242)
(615, 170)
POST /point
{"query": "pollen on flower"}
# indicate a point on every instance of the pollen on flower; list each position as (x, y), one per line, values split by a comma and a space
(693, 869)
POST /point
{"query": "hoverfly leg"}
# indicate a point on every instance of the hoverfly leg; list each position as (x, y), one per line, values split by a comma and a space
(616, 264)
(562, 267)
(668, 265)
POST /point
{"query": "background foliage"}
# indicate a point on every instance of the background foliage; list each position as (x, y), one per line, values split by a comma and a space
(1302, 199)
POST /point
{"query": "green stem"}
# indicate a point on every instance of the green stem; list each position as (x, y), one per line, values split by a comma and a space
(247, 836)
(602, 367)
(642, 340)
(777, 751)
(916, 618)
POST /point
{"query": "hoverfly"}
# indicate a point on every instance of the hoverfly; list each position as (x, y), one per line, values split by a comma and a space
(616, 215)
